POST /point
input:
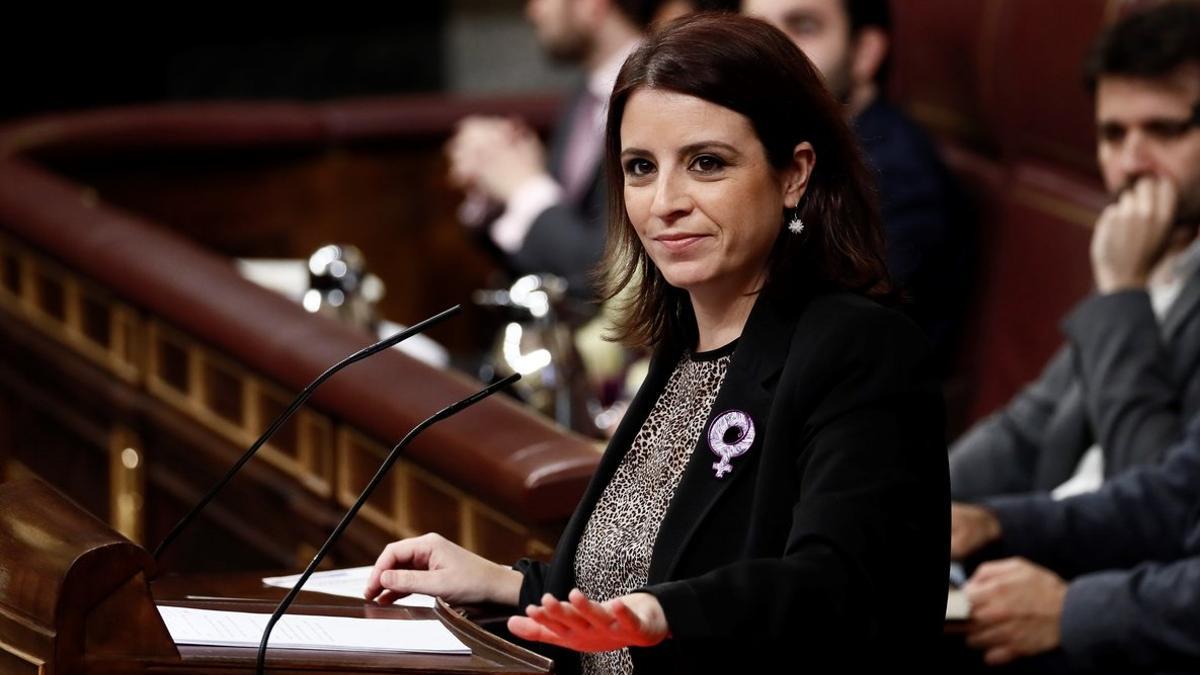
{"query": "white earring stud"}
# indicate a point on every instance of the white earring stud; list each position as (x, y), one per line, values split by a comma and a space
(795, 224)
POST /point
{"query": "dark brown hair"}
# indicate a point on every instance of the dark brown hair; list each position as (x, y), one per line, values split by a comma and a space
(639, 12)
(1149, 43)
(749, 67)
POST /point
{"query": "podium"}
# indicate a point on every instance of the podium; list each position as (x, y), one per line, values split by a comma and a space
(76, 597)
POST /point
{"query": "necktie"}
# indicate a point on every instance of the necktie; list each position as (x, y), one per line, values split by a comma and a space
(584, 144)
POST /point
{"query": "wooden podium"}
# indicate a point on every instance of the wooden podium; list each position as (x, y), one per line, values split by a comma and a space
(77, 597)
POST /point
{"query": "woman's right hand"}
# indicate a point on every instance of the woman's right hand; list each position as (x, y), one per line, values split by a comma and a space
(433, 565)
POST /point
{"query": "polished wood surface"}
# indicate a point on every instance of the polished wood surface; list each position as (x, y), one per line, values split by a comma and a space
(74, 599)
(139, 363)
(67, 582)
(246, 593)
(279, 180)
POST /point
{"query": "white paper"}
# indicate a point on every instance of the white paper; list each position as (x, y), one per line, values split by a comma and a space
(189, 626)
(958, 608)
(348, 583)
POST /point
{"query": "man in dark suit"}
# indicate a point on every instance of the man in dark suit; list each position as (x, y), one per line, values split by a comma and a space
(1131, 551)
(1116, 395)
(929, 239)
(553, 218)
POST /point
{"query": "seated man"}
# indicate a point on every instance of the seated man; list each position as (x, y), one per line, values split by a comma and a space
(1131, 553)
(929, 239)
(1114, 396)
(553, 209)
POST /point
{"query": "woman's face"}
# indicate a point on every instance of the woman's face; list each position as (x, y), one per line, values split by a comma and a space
(704, 200)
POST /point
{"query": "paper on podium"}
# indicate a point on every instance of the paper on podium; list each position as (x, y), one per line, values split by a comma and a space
(349, 583)
(189, 626)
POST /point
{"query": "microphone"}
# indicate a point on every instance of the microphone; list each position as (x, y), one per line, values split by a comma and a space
(291, 409)
(438, 416)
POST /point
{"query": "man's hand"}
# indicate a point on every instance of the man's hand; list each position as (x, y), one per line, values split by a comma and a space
(1133, 234)
(634, 620)
(971, 528)
(1016, 610)
(494, 155)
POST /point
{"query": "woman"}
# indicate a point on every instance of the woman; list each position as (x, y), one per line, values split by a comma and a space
(777, 490)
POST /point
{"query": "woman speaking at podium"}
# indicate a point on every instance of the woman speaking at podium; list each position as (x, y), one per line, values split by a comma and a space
(776, 496)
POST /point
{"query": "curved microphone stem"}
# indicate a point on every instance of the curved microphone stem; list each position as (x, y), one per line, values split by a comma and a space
(279, 421)
(362, 498)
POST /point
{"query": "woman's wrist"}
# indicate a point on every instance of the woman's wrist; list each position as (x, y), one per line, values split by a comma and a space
(506, 586)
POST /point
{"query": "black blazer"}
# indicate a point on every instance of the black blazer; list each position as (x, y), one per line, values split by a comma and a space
(827, 544)
(1131, 551)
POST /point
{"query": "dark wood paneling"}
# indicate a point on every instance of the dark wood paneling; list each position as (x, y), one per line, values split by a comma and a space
(62, 410)
(389, 199)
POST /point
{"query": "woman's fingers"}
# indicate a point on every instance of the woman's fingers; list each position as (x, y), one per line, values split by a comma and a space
(529, 629)
(412, 555)
(396, 554)
(597, 617)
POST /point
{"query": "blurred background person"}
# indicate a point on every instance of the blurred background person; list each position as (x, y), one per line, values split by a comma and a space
(1118, 393)
(1107, 581)
(551, 202)
(930, 235)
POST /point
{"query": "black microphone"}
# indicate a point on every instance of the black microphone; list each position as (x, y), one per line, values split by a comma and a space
(291, 409)
(362, 498)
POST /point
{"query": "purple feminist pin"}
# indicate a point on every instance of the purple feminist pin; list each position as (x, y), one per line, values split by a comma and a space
(731, 435)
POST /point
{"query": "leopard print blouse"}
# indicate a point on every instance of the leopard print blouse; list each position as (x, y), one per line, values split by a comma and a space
(614, 552)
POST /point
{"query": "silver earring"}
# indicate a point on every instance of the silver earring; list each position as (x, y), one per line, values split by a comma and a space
(795, 224)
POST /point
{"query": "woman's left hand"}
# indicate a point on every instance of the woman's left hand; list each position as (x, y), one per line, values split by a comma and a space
(634, 620)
